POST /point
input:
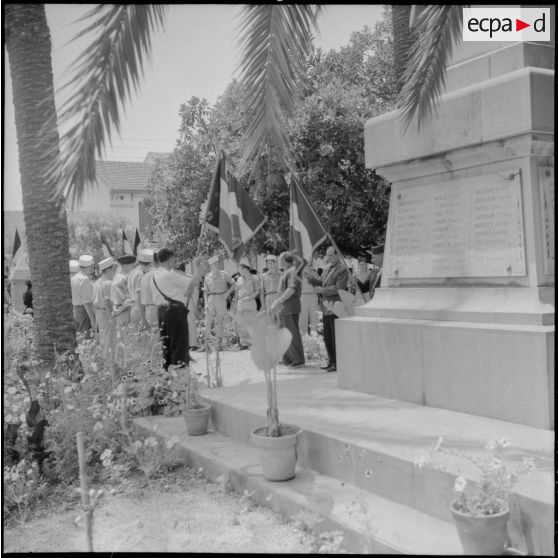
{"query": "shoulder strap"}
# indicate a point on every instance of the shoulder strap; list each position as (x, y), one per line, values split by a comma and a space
(168, 299)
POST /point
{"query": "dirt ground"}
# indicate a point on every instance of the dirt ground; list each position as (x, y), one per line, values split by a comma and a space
(179, 513)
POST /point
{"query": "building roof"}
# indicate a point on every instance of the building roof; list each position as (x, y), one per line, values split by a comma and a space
(156, 156)
(124, 175)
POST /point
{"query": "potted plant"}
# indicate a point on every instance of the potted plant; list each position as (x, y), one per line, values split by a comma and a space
(196, 411)
(276, 442)
(481, 509)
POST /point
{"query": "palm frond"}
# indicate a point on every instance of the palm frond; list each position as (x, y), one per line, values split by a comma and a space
(275, 41)
(104, 76)
(438, 29)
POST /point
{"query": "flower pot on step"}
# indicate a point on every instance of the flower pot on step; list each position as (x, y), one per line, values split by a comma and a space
(277, 454)
(483, 535)
(197, 419)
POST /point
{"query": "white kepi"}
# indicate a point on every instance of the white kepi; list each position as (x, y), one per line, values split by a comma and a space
(145, 255)
(106, 263)
(85, 261)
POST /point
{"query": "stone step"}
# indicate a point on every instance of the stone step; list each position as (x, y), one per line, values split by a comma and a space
(370, 523)
(373, 443)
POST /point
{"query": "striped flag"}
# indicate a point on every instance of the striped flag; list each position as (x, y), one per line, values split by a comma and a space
(17, 245)
(126, 246)
(306, 231)
(230, 211)
(137, 242)
(107, 251)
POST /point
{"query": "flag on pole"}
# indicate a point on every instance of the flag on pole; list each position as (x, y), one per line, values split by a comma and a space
(126, 247)
(137, 242)
(230, 211)
(17, 245)
(306, 231)
(107, 251)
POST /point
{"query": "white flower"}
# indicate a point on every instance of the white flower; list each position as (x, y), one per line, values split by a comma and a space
(151, 442)
(22, 417)
(171, 442)
(106, 455)
(367, 474)
(460, 484)
(420, 462)
(503, 442)
(9, 419)
(98, 426)
(68, 389)
(12, 390)
(138, 444)
(491, 445)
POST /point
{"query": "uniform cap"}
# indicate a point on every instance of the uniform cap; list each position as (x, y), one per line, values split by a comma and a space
(270, 257)
(126, 259)
(85, 261)
(245, 263)
(74, 266)
(213, 260)
(145, 255)
(106, 263)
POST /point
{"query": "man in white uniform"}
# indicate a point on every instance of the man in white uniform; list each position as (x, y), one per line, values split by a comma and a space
(145, 261)
(82, 297)
(102, 303)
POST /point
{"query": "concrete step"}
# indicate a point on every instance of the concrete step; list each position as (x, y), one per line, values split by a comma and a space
(370, 523)
(373, 443)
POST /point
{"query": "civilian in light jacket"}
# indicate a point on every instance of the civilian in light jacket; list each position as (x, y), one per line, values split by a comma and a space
(333, 279)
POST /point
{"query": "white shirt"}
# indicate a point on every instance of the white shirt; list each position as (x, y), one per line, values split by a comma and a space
(82, 289)
(133, 283)
(171, 284)
(146, 285)
(118, 289)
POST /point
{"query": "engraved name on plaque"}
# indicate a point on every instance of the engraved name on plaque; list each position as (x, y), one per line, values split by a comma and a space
(470, 227)
(546, 178)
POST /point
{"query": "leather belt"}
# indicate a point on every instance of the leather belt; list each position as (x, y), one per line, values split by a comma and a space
(208, 294)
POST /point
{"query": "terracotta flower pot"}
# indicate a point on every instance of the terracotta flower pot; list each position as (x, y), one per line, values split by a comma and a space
(483, 535)
(197, 419)
(277, 454)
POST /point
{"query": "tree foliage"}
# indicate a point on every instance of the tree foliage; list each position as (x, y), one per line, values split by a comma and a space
(343, 88)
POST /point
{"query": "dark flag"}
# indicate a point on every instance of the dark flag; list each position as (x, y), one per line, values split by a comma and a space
(17, 245)
(230, 211)
(126, 247)
(137, 242)
(306, 231)
(107, 251)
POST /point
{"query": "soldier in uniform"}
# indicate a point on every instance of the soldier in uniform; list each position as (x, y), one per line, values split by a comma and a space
(148, 308)
(145, 261)
(215, 287)
(270, 282)
(119, 290)
(82, 297)
(247, 289)
(102, 303)
(192, 304)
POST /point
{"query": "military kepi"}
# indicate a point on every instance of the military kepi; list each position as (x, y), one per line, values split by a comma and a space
(85, 261)
(74, 266)
(106, 263)
(126, 259)
(145, 255)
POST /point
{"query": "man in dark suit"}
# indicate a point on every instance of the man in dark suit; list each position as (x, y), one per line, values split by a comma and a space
(327, 286)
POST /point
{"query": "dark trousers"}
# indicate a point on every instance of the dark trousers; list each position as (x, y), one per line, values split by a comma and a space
(329, 337)
(173, 325)
(295, 353)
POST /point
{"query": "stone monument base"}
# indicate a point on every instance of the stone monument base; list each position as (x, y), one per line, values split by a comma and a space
(483, 351)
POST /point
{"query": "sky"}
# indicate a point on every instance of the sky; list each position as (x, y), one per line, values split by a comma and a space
(195, 54)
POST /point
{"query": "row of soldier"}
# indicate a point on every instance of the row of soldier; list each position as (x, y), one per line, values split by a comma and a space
(152, 290)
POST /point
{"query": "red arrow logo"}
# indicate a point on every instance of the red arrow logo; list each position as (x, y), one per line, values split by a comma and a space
(519, 25)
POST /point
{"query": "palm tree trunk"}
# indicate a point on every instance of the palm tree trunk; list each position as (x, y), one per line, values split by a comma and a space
(29, 51)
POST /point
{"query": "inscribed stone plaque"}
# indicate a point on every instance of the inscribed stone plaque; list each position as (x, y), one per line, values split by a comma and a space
(470, 227)
(546, 178)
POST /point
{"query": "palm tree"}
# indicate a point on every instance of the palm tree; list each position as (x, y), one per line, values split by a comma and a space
(29, 51)
(275, 40)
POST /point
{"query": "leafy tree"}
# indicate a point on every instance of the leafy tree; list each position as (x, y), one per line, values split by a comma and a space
(84, 232)
(275, 42)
